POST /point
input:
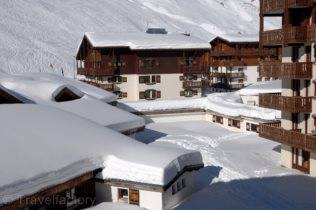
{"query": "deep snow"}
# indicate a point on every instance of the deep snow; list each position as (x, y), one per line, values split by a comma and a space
(43, 35)
(242, 171)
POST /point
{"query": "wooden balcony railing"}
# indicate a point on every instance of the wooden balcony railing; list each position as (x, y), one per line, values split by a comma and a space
(273, 6)
(272, 37)
(285, 103)
(288, 137)
(192, 84)
(228, 75)
(231, 62)
(107, 87)
(299, 3)
(302, 70)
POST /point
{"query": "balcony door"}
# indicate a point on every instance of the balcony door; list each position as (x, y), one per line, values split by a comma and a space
(296, 87)
(301, 160)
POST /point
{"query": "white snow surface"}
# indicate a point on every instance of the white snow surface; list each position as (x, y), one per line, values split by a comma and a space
(115, 206)
(242, 172)
(43, 35)
(43, 92)
(228, 104)
(274, 86)
(144, 41)
(239, 37)
(50, 146)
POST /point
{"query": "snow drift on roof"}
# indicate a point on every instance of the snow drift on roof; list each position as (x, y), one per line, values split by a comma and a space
(51, 146)
(44, 92)
(274, 86)
(145, 41)
(88, 89)
(244, 38)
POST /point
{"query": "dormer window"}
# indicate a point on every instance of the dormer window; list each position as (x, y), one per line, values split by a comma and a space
(66, 95)
(6, 98)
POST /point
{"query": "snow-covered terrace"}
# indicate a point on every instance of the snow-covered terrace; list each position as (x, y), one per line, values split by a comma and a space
(41, 89)
(115, 206)
(50, 146)
(145, 41)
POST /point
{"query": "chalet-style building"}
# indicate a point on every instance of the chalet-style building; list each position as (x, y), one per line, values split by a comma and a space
(297, 37)
(234, 61)
(145, 66)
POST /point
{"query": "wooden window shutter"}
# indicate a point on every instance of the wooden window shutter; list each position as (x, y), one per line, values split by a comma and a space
(181, 78)
(158, 79)
(248, 126)
(238, 124)
(195, 92)
(229, 122)
(124, 95)
(141, 95)
(158, 94)
(182, 93)
(124, 79)
(214, 118)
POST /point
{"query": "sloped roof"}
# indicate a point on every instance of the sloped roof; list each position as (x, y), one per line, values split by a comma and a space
(145, 41)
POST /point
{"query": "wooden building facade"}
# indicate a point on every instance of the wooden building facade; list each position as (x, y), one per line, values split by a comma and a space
(234, 63)
(145, 74)
(296, 68)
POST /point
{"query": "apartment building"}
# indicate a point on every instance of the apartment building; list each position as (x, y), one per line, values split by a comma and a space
(145, 66)
(234, 61)
(296, 68)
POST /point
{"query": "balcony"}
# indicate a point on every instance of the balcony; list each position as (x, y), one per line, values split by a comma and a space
(228, 75)
(299, 34)
(288, 137)
(284, 103)
(192, 84)
(272, 38)
(286, 70)
(299, 3)
(228, 62)
(273, 7)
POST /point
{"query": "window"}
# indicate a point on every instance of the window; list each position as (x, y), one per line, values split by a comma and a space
(66, 95)
(150, 94)
(178, 186)
(189, 93)
(123, 195)
(148, 63)
(6, 98)
(120, 94)
(149, 80)
(117, 79)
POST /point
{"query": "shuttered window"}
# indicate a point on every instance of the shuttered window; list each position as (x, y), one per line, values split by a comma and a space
(150, 94)
(149, 79)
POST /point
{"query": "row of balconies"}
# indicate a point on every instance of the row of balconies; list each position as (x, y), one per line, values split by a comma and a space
(289, 137)
(276, 69)
(242, 52)
(228, 75)
(192, 84)
(273, 7)
(289, 35)
(293, 104)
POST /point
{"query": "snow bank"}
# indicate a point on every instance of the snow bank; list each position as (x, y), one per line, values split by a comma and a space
(144, 41)
(51, 146)
(115, 206)
(228, 104)
(274, 86)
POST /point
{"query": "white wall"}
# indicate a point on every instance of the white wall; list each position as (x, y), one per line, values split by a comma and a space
(252, 74)
(286, 156)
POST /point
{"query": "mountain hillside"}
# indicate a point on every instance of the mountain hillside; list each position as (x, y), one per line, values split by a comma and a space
(43, 35)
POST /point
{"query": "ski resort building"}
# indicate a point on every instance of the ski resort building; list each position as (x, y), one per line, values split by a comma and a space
(297, 37)
(145, 66)
(83, 164)
(234, 61)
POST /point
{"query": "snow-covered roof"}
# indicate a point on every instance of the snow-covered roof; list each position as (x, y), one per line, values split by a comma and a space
(228, 104)
(274, 86)
(145, 41)
(44, 92)
(86, 88)
(115, 206)
(50, 146)
(238, 38)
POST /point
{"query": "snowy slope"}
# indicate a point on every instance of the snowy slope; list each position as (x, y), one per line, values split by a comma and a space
(43, 35)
